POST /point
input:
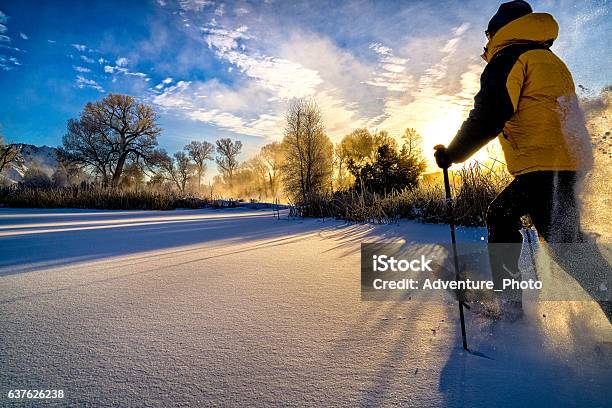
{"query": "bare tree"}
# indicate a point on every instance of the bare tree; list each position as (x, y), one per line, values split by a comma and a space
(343, 178)
(85, 145)
(177, 168)
(413, 142)
(227, 157)
(184, 169)
(68, 172)
(273, 157)
(308, 166)
(9, 153)
(412, 150)
(200, 152)
(110, 134)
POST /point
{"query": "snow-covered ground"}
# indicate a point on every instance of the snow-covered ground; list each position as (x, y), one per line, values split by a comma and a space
(234, 307)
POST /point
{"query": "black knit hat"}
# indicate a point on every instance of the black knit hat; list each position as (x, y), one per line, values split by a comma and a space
(506, 13)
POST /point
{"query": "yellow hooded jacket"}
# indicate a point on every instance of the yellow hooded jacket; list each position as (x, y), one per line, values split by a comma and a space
(526, 96)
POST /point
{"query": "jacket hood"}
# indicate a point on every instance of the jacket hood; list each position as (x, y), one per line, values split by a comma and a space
(533, 27)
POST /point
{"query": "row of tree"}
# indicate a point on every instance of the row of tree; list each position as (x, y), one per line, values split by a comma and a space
(362, 160)
(115, 141)
(306, 163)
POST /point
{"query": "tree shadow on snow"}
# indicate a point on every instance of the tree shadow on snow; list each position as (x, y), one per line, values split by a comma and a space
(39, 241)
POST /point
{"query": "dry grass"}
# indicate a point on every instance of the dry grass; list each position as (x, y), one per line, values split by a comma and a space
(473, 188)
(96, 197)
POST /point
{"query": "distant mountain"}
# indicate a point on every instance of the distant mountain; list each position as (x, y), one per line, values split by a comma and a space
(42, 157)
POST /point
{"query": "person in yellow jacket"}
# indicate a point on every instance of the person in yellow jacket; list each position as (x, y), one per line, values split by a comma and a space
(527, 100)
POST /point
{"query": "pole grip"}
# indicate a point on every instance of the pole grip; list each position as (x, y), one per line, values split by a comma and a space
(447, 189)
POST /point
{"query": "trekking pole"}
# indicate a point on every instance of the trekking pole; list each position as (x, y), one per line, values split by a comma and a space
(449, 209)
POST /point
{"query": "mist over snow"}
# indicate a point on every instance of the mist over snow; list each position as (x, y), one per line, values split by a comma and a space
(42, 158)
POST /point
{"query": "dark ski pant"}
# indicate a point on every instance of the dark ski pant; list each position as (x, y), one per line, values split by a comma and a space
(549, 198)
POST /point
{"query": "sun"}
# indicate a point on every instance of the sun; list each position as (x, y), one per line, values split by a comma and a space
(439, 128)
(443, 128)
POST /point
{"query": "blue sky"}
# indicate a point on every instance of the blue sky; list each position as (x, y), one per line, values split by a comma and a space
(221, 68)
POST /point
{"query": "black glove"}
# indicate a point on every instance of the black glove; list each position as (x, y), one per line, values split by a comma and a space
(442, 159)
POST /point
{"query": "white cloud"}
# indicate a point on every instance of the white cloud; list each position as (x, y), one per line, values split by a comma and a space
(137, 74)
(282, 77)
(3, 29)
(81, 69)
(220, 10)
(224, 39)
(101, 60)
(390, 74)
(83, 82)
(241, 11)
(286, 79)
(163, 83)
(80, 47)
(8, 63)
(4, 38)
(173, 97)
(260, 126)
(459, 31)
(3, 18)
(87, 59)
(255, 103)
(235, 110)
(121, 69)
(208, 95)
(340, 117)
(8, 47)
(345, 102)
(24, 36)
(195, 5)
